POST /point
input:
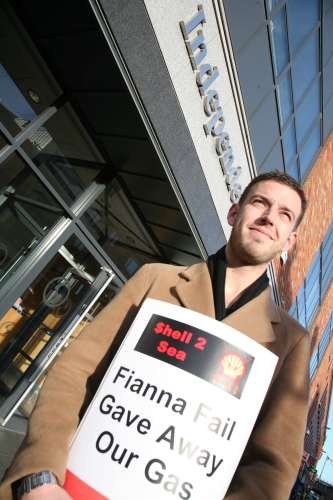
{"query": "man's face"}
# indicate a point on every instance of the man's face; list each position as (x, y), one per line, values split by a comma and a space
(263, 226)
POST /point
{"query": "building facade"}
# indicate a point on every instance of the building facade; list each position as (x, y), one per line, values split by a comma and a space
(126, 131)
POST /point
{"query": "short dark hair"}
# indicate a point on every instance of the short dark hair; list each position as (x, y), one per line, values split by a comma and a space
(282, 178)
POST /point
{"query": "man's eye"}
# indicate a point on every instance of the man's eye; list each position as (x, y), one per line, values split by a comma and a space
(286, 215)
(258, 201)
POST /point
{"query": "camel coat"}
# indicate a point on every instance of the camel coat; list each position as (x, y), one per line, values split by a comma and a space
(270, 462)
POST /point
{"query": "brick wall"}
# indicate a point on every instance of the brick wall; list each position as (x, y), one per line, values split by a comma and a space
(319, 215)
(319, 191)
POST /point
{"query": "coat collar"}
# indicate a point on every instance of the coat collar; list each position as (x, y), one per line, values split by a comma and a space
(194, 290)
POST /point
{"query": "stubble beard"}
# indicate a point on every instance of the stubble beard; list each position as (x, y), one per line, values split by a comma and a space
(249, 253)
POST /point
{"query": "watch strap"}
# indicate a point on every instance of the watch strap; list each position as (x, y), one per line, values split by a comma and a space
(35, 480)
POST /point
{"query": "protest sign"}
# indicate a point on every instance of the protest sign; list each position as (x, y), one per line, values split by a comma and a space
(174, 411)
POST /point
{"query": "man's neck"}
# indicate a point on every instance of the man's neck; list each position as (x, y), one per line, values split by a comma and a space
(239, 277)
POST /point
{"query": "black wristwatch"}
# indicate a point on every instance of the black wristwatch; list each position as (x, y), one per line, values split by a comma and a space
(33, 481)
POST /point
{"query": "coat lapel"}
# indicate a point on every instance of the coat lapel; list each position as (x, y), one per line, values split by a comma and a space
(256, 317)
(194, 290)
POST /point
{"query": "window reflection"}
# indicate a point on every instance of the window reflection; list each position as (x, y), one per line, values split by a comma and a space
(15, 111)
(280, 41)
(327, 259)
(292, 169)
(301, 306)
(272, 4)
(316, 283)
(40, 316)
(289, 143)
(27, 212)
(119, 231)
(285, 98)
(302, 18)
(65, 159)
(312, 289)
(308, 111)
(3, 141)
(295, 41)
(309, 151)
(305, 67)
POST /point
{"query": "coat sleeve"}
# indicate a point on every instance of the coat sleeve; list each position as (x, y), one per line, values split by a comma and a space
(272, 458)
(56, 415)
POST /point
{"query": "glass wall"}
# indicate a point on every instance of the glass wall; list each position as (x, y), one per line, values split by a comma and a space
(284, 56)
(316, 283)
(295, 44)
(77, 218)
(322, 347)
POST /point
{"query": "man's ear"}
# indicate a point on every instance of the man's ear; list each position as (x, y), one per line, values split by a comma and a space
(290, 242)
(232, 214)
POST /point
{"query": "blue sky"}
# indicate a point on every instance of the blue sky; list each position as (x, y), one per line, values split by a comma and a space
(327, 474)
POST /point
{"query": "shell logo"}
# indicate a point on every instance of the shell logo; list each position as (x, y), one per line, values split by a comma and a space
(233, 366)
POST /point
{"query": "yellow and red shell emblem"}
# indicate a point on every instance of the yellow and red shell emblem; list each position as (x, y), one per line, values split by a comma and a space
(233, 366)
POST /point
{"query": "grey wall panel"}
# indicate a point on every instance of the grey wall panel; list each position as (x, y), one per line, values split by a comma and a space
(327, 35)
(328, 81)
(264, 131)
(274, 161)
(328, 119)
(244, 19)
(255, 70)
(131, 27)
(328, 4)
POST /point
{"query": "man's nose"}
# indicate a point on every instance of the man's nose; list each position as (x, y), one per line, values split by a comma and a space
(268, 215)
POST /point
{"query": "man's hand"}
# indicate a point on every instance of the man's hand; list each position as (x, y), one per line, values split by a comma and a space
(47, 492)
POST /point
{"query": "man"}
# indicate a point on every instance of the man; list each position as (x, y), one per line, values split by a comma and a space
(233, 287)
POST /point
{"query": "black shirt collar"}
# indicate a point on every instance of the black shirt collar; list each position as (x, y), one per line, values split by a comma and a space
(218, 267)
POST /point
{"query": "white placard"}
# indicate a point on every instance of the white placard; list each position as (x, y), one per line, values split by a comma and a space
(174, 411)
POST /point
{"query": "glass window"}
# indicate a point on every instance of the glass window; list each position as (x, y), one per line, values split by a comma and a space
(317, 282)
(314, 364)
(309, 151)
(272, 4)
(327, 259)
(301, 306)
(274, 161)
(15, 111)
(49, 310)
(328, 118)
(128, 239)
(327, 33)
(308, 111)
(312, 303)
(119, 231)
(289, 143)
(63, 155)
(292, 169)
(305, 67)
(325, 340)
(285, 99)
(314, 270)
(293, 310)
(303, 15)
(280, 41)
(312, 289)
(327, 80)
(27, 212)
(3, 141)
(264, 137)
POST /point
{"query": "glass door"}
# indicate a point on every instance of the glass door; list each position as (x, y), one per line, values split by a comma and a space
(66, 295)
